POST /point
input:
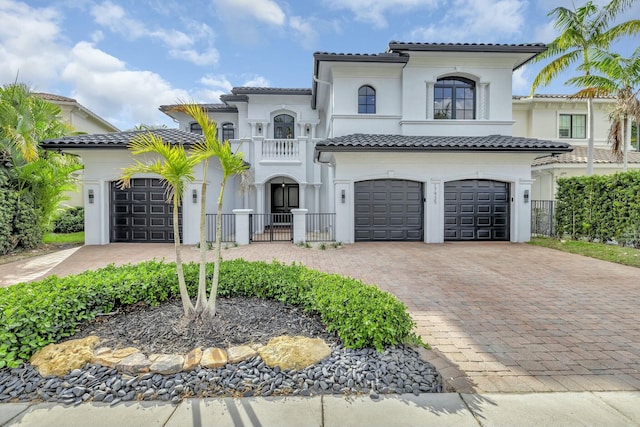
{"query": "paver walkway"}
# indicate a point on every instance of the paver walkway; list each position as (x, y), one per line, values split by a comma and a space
(512, 317)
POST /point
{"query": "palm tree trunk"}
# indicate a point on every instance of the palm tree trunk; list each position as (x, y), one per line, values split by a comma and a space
(201, 301)
(590, 138)
(626, 141)
(187, 307)
(217, 254)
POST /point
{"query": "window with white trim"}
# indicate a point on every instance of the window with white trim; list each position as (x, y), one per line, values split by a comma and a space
(573, 126)
(195, 128)
(227, 132)
(366, 100)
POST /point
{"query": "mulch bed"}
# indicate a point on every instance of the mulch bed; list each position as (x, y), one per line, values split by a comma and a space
(238, 321)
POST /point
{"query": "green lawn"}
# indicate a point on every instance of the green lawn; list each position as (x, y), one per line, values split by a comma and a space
(613, 253)
(63, 238)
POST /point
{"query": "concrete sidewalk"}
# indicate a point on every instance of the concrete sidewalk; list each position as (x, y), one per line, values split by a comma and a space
(448, 409)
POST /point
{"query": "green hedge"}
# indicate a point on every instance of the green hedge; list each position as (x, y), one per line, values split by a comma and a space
(600, 207)
(71, 220)
(35, 314)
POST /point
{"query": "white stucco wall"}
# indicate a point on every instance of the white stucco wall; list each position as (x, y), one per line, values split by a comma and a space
(433, 170)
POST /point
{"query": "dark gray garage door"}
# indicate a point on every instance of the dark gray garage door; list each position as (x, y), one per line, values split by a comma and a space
(476, 209)
(388, 209)
(140, 213)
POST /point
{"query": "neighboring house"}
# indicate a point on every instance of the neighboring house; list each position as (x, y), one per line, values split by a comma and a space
(560, 118)
(82, 120)
(411, 144)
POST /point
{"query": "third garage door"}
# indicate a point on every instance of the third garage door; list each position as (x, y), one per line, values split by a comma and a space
(388, 209)
(476, 209)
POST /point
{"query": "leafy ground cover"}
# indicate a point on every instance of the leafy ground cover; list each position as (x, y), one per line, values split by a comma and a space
(602, 251)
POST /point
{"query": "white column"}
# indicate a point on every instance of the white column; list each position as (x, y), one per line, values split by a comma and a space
(191, 214)
(430, 100)
(259, 198)
(344, 211)
(302, 196)
(521, 226)
(316, 197)
(483, 101)
(94, 220)
(299, 225)
(242, 225)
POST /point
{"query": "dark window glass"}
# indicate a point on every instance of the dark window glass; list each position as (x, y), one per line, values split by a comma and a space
(366, 100)
(283, 127)
(454, 98)
(195, 128)
(572, 126)
(227, 132)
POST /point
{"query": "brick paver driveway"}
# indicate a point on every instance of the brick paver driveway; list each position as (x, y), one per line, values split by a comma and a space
(512, 317)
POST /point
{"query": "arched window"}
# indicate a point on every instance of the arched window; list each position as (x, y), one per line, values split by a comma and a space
(195, 128)
(227, 132)
(454, 98)
(283, 127)
(366, 100)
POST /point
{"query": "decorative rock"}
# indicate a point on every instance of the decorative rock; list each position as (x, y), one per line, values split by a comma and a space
(137, 363)
(124, 352)
(167, 364)
(240, 353)
(105, 357)
(294, 352)
(213, 358)
(192, 359)
(60, 359)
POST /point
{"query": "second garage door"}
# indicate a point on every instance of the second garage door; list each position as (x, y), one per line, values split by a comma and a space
(388, 209)
(476, 209)
(140, 212)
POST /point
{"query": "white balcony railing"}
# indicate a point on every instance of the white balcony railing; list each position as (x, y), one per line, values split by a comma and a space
(280, 149)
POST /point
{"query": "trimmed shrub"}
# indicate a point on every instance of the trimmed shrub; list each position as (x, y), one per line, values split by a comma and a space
(19, 227)
(35, 314)
(71, 220)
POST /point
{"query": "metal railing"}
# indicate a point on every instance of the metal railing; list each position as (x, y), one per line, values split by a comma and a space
(321, 227)
(228, 228)
(271, 227)
(542, 217)
(280, 149)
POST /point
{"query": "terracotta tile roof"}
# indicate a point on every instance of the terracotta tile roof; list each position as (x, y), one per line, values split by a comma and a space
(368, 142)
(119, 139)
(247, 90)
(53, 97)
(579, 156)
(220, 108)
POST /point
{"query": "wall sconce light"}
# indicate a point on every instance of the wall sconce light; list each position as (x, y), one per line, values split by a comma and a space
(307, 129)
(283, 182)
(343, 196)
(194, 196)
(259, 128)
(526, 196)
(91, 196)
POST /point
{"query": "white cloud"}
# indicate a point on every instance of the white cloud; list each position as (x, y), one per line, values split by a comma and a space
(470, 20)
(30, 43)
(217, 85)
(122, 96)
(374, 11)
(521, 84)
(305, 30)
(266, 11)
(180, 44)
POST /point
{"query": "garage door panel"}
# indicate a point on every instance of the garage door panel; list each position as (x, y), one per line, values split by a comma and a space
(140, 213)
(388, 210)
(476, 210)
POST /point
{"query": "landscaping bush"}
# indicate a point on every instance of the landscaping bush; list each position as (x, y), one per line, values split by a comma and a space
(70, 221)
(19, 227)
(35, 314)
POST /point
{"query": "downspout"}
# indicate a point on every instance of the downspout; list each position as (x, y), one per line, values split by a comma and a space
(331, 104)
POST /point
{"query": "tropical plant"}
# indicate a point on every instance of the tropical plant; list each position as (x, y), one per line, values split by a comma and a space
(175, 169)
(231, 164)
(620, 77)
(582, 31)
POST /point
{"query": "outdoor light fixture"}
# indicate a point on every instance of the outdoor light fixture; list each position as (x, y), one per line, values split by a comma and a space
(343, 196)
(526, 196)
(91, 196)
(259, 128)
(282, 182)
(307, 128)
(194, 196)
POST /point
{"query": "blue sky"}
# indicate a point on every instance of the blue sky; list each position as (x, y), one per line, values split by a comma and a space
(124, 58)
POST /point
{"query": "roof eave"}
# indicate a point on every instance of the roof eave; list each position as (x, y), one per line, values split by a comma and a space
(328, 148)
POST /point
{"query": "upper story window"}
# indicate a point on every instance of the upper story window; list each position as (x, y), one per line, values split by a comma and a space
(454, 98)
(283, 127)
(195, 128)
(366, 100)
(228, 132)
(572, 126)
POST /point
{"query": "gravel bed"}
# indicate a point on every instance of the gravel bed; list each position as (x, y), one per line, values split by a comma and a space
(347, 372)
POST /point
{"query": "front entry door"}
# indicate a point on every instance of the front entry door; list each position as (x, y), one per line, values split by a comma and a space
(283, 199)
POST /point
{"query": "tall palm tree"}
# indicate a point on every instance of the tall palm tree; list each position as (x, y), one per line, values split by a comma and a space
(231, 164)
(176, 169)
(583, 30)
(619, 77)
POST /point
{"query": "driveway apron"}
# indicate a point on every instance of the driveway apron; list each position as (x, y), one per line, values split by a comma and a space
(511, 317)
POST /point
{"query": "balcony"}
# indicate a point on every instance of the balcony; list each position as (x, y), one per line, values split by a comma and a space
(280, 149)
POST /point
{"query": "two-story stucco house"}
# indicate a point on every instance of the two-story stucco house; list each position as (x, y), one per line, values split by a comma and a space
(415, 143)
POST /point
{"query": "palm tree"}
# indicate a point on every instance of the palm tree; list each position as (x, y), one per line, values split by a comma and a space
(620, 77)
(583, 30)
(175, 169)
(231, 164)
